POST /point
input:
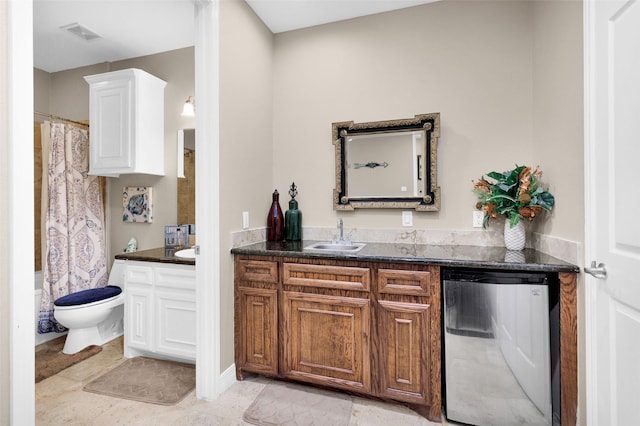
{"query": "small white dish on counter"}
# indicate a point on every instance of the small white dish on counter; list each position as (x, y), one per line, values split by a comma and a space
(186, 253)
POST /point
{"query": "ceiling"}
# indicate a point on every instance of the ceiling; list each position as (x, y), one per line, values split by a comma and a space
(129, 29)
(287, 15)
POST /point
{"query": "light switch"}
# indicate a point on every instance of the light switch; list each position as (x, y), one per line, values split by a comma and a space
(478, 218)
(245, 220)
(407, 218)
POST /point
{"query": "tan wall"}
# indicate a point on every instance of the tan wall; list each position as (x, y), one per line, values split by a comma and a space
(470, 61)
(246, 140)
(558, 133)
(67, 95)
(558, 112)
(501, 102)
(41, 95)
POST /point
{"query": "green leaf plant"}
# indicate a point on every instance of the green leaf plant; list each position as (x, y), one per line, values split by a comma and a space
(515, 194)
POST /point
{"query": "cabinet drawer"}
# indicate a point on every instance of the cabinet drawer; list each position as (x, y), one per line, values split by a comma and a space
(327, 276)
(257, 270)
(139, 274)
(176, 277)
(415, 283)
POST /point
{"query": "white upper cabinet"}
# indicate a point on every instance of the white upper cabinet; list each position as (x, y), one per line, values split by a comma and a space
(127, 123)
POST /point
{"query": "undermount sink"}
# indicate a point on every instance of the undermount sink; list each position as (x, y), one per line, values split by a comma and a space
(186, 253)
(335, 246)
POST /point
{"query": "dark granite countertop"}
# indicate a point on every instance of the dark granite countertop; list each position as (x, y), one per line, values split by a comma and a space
(442, 255)
(160, 255)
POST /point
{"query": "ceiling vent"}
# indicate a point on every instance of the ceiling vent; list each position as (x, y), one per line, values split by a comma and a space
(80, 31)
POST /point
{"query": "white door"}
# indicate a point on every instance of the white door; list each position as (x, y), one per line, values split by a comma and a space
(612, 131)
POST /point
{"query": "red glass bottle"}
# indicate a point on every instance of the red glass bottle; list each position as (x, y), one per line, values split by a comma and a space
(275, 220)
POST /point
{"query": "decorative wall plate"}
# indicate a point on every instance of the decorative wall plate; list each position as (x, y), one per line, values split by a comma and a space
(137, 204)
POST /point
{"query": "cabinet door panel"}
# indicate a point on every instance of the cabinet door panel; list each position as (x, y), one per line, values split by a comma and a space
(138, 306)
(258, 345)
(327, 340)
(175, 324)
(404, 342)
(111, 125)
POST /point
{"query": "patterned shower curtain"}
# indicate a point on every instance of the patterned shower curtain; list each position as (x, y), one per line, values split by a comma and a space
(75, 251)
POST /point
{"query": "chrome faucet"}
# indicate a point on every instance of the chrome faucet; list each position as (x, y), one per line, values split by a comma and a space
(341, 239)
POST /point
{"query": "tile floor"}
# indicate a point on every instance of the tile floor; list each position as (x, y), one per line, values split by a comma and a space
(60, 400)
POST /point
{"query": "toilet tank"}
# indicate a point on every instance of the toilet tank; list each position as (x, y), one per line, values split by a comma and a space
(116, 276)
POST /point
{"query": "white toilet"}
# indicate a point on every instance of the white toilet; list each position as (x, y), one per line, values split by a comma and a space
(95, 316)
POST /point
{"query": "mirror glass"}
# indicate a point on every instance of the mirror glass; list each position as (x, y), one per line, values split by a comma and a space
(186, 176)
(387, 164)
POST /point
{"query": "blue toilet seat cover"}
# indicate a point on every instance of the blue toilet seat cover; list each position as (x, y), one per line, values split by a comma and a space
(88, 296)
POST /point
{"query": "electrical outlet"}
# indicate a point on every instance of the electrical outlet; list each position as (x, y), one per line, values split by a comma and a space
(407, 218)
(478, 218)
(245, 220)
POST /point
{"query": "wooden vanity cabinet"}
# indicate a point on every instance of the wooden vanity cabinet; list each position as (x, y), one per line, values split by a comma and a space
(371, 328)
(256, 316)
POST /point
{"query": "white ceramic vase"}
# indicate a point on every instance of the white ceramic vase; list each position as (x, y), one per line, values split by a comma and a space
(514, 238)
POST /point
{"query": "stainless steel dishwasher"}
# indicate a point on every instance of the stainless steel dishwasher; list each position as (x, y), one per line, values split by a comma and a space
(501, 347)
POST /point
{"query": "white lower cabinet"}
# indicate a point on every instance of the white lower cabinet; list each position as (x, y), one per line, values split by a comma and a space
(160, 310)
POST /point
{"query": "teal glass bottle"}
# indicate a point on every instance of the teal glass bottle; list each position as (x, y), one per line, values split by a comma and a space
(293, 217)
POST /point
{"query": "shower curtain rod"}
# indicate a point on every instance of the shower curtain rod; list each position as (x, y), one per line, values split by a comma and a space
(55, 117)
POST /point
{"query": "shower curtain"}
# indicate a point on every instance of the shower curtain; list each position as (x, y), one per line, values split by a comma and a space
(74, 254)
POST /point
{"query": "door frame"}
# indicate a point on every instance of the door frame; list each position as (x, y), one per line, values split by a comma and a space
(21, 327)
(208, 377)
(590, 231)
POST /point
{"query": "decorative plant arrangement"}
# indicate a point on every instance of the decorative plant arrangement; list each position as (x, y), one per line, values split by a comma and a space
(515, 194)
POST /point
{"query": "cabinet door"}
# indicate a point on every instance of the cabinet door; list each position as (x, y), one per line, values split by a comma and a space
(111, 127)
(257, 347)
(138, 308)
(138, 317)
(175, 310)
(327, 340)
(404, 345)
(175, 321)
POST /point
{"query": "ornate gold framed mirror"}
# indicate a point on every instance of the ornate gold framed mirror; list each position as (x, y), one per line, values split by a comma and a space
(387, 164)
